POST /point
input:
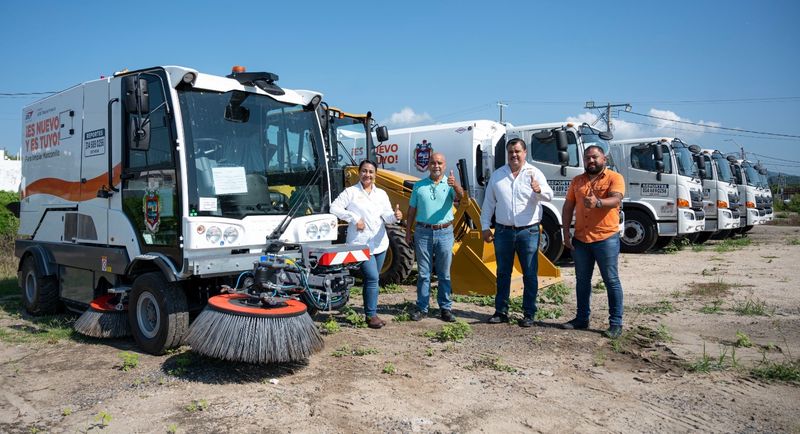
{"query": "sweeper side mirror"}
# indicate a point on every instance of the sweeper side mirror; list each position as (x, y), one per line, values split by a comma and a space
(562, 144)
(137, 106)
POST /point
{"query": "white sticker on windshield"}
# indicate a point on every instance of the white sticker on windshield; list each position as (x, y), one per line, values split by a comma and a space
(229, 180)
(207, 204)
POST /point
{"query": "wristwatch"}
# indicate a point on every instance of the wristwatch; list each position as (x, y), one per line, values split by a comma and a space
(599, 203)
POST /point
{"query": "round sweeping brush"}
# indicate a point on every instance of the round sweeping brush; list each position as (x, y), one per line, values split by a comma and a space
(105, 318)
(232, 328)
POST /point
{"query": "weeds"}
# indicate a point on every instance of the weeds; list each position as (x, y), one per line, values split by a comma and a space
(429, 352)
(129, 360)
(742, 340)
(172, 428)
(347, 351)
(599, 287)
(391, 288)
(707, 363)
(197, 405)
(548, 313)
(731, 244)
(661, 307)
(354, 318)
(331, 326)
(714, 307)
(182, 363)
(713, 289)
(554, 294)
(356, 290)
(66, 412)
(493, 363)
(599, 359)
(455, 332)
(777, 371)
(103, 419)
(698, 247)
(753, 307)
(794, 242)
(389, 368)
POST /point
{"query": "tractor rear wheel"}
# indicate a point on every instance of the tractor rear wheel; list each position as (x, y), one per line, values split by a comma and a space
(158, 313)
(399, 257)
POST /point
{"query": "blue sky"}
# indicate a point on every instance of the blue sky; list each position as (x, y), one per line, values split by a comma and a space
(733, 64)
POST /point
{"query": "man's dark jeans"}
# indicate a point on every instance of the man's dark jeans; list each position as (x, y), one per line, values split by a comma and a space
(606, 254)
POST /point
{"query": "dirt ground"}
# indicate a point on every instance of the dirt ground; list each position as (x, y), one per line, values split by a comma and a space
(676, 369)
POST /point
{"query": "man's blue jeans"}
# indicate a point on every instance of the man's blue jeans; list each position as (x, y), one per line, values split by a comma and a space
(372, 271)
(525, 243)
(606, 254)
(433, 247)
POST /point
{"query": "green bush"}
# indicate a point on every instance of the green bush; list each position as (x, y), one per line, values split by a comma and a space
(8, 223)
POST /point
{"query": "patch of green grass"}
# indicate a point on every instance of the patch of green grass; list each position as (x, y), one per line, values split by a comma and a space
(66, 411)
(493, 363)
(197, 405)
(477, 300)
(711, 289)
(554, 294)
(714, 307)
(129, 360)
(172, 428)
(45, 329)
(103, 418)
(753, 307)
(794, 242)
(548, 313)
(9, 287)
(354, 318)
(405, 313)
(330, 326)
(731, 244)
(599, 359)
(454, 332)
(429, 352)
(356, 290)
(599, 287)
(707, 363)
(661, 307)
(698, 247)
(391, 288)
(182, 363)
(777, 371)
(345, 350)
(389, 368)
(742, 340)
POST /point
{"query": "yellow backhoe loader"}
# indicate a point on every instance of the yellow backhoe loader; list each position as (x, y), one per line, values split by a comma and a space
(474, 265)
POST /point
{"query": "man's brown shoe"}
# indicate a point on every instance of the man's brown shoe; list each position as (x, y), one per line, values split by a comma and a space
(375, 322)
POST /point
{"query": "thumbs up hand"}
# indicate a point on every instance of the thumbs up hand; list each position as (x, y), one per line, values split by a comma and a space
(535, 184)
(590, 201)
(397, 213)
(451, 179)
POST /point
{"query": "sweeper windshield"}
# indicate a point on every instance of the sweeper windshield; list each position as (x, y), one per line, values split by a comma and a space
(248, 154)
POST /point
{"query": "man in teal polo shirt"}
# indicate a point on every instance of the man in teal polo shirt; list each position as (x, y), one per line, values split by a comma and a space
(431, 207)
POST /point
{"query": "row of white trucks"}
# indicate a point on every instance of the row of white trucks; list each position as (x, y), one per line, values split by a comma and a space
(673, 189)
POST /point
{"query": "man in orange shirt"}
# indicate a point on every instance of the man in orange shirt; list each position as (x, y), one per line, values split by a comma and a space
(595, 197)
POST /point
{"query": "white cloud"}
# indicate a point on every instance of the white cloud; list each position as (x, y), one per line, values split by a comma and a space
(407, 117)
(622, 129)
(649, 127)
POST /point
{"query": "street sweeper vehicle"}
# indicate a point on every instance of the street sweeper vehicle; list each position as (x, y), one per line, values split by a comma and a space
(720, 196)
(664, 196)
(181, 206)
(473, 269)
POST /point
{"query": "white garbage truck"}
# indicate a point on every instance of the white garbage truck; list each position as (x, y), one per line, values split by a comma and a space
(766, 192)
(167, 185)
(751, 207)
(720, 196)
(664, 196)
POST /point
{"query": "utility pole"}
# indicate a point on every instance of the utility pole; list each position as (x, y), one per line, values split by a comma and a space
(501, 105)
(607, 115)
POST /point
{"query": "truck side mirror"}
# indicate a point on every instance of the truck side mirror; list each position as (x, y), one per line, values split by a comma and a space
(731, 158)
(139, 134)
(694, 149)
(562, 142)
(137, 95)
(702, 173)
(659, 168)
(658, 155)
(382, 133)
(606, 135)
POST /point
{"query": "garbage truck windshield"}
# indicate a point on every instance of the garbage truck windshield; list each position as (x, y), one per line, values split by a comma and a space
(686, 164)
(751, 173)
(248, 154)
(723, 168)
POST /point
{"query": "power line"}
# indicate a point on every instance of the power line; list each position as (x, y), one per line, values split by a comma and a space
(25, 93)
(713, 126)
(774, 158)
(723, 101)
(708, 132)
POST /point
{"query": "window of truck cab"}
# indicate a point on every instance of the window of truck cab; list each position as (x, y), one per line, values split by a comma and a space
(248, 154)
(546, 150)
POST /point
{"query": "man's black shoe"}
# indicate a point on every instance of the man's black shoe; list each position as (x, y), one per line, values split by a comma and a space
(498, 318)
(613, 332)
(418, 315)
(526, 322)
(575, 324)
(447, 316)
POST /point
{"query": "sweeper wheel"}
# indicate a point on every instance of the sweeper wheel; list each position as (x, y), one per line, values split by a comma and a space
(158, 313)
(231, 328)
(39, 293)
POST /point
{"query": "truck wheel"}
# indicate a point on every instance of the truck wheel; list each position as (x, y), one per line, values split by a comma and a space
(640, 233)
(39, 293)
(702, 237)
(158, 313)
(721, 235)
(746, 229)
(399, 257)
(662, 242)
(551, 242)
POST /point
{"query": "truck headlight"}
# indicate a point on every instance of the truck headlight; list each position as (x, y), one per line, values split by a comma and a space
(213, 234)
(312, 230)
(324, 230)
(231, 234)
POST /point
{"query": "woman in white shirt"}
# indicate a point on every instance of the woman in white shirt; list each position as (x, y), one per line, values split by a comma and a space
(366, 209)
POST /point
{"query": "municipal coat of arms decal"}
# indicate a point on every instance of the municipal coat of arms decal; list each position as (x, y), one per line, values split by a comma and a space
(152, 210)
(422, 155)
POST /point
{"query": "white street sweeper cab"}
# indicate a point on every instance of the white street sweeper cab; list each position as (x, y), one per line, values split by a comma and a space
(164, 187)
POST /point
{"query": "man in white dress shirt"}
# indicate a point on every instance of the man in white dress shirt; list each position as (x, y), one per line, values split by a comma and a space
(514, 195)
